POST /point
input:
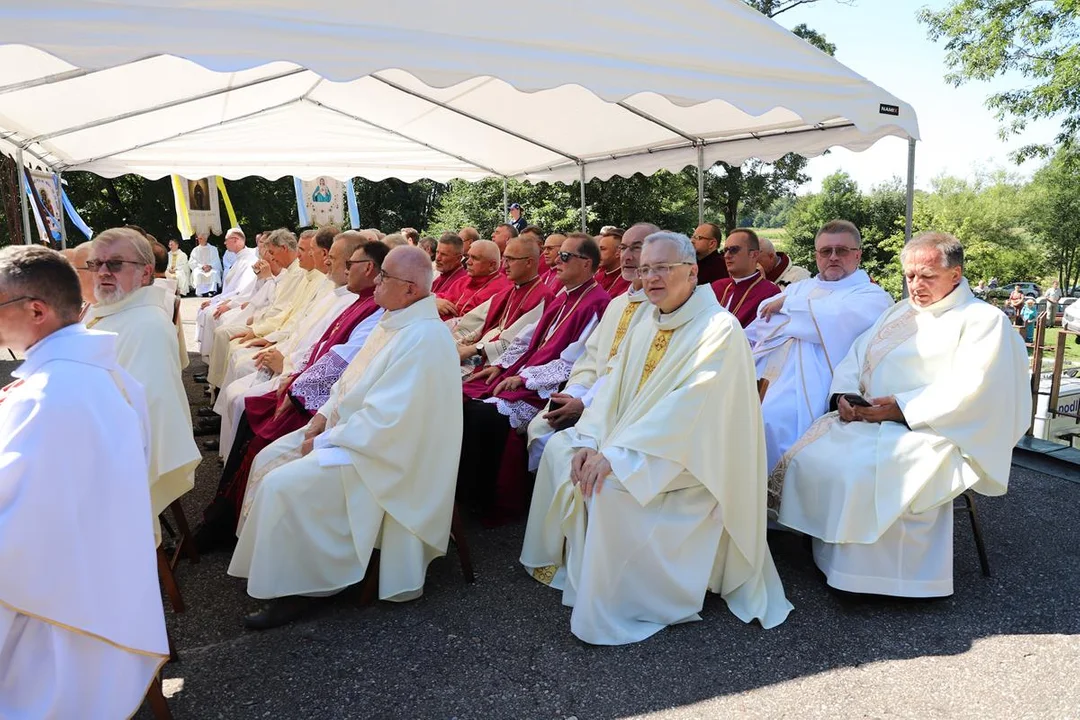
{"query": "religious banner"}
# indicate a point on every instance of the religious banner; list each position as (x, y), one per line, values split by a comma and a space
(197, 205)
(46, 204)
(322, 200)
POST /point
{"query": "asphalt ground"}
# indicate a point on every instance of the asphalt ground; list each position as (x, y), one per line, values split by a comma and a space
(1000, 647)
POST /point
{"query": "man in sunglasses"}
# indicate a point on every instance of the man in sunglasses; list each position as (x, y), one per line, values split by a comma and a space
(660, 486)
(804, 333)
(129, 305)
(745, 288)
(355, 477)
(81, 623)
(502, 399)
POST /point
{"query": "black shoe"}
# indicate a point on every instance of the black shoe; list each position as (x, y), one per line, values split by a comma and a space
(280, 611)
(200, 379)
(206, 412)
(211, 445)
(207, 426)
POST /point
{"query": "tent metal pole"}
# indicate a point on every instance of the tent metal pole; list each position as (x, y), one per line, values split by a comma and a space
(700, 184)
(506, 206)
(909, 207)
(23, 200)
(60, 210)
(584, 217)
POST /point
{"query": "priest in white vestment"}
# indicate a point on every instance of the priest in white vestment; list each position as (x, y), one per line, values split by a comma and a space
(205, 265)
(621, 315)
(929, 403)
(660, 486)
(269, 364)
(321, 499)
(803, 334)
(122, 263)
(178, 269)
(82, 630)
(237, 281)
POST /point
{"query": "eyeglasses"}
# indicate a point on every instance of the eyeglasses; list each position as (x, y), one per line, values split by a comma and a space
(565, 256)
(731, 250)
(840, 251)
(636, 247)
(660, 270)
(114, 266)
(18, 299)
(383, 275)
(350, 263)
(701, 237)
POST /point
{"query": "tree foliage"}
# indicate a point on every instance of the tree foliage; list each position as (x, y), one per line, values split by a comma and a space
(1035, 39)
(1054, 214)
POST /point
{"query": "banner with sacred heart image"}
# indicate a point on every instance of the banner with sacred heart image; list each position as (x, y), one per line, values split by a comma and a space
(321, 202)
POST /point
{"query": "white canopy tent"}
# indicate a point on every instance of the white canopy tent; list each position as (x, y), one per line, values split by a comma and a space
(543, 90)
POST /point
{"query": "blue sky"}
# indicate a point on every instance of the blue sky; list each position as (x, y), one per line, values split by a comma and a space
(882, 40)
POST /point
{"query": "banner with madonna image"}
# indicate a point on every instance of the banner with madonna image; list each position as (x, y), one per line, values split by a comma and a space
(320, 202)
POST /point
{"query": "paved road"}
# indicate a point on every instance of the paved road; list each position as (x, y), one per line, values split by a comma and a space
(1001, 647)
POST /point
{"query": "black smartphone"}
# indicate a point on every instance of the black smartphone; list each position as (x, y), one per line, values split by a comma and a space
(856, 400)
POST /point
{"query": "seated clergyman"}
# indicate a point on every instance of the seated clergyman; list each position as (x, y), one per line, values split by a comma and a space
(658, 493)
(928, 403)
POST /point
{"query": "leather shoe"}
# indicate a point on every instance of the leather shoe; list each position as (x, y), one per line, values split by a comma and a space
(207, 426)
(211, 445)
(206, 412)
(280, 611)
(200, 378)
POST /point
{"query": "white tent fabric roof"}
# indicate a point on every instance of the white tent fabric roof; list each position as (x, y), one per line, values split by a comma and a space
(536, 90)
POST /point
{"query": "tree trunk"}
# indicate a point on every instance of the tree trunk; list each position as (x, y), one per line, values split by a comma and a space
(9, 199)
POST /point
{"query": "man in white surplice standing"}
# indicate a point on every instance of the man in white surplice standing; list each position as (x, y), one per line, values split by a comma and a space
(929, 403)
(801, 335)
(205, 264)
(82, 631)
(320, 499)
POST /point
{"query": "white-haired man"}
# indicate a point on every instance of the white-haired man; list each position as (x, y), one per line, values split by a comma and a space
(778, 267)
(482, 261)
(205, 264)
(82, 631)
(805, 332)
(928, 403)
(351, 479)
(178, 269)
(122, 263)
(238, 281)
(661, 483)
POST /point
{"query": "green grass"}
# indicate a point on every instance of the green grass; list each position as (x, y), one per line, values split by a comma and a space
(1072, 350)
(779, 236)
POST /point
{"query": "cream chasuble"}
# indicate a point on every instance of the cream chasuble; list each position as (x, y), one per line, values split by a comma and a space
(959, 373)
(684, 509)
(618, 319)
(797, 349)
(146, 347)
(257, 299)
(82, 630)
(365, 485)
(178, 270)
(205, 281)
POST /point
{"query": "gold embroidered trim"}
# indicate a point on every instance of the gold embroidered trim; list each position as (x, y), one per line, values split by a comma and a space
(545, 574)
(92, 323)
(656, 353)
(622, 327)
(888, 338)
(813, 433)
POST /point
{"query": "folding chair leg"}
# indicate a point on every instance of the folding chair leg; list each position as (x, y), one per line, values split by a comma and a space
(168, 580)
(155, 698)
(457, 534)
(976, 530)
(173, 655)
(369, 586)
(187, 540)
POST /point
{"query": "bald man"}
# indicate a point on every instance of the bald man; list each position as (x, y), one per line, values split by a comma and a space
(778, 267)
(484, 280)
(351, 478)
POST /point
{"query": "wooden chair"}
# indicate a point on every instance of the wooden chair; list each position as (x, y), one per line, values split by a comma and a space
(155, 698)
(762, 388)
(185, 544)
(967, 504)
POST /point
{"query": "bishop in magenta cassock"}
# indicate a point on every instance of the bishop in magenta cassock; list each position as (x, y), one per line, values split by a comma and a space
(448, 263)
(298, 397)
(481, 283)
(501, 400)
(744, 290)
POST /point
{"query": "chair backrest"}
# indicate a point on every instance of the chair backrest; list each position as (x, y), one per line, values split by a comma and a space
(762, 388)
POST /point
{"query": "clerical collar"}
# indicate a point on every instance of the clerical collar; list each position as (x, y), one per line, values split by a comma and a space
(751, 276)
(703, 299)
(520, 285)
(148, 295)
(608, 273)
(574, 289)
(959, 295)
(342, 290)
(636, 295)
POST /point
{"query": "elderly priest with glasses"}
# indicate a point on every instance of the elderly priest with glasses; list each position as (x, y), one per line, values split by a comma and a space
(661, 487)
(928, 403)
(82, 631)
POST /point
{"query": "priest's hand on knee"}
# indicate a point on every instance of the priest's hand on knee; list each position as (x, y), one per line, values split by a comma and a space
(243, 336)
(596, 469)
(513, 382)
(565, 414)
(257, 342)
(446, 307)
(882, 409)
(312, 431)
(205, 304)
(770, 309)
(577, 464)
(220, 309)
(487, 374)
